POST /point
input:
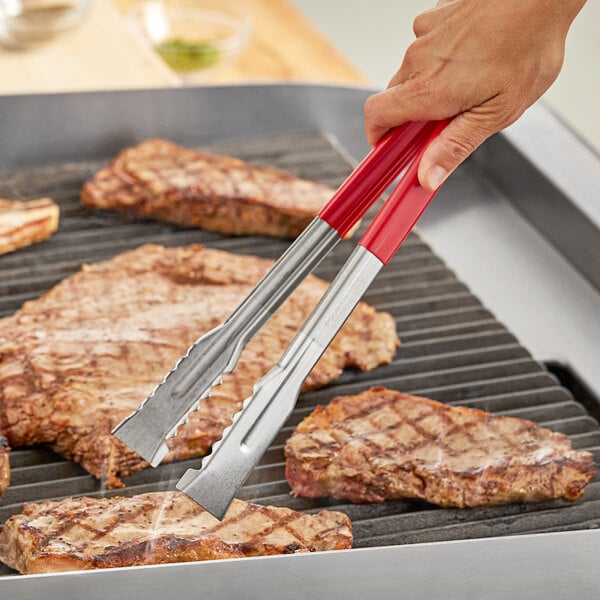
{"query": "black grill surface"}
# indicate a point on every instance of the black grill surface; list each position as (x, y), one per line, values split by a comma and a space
(453, 350)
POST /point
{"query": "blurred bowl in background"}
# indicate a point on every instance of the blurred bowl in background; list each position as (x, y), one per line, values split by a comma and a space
(27, 22)
(194, 37)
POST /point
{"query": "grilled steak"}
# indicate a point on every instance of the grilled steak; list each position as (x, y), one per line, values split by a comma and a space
(4, 465)
(163, 527)
(163, 181)
(24, 223)
(78, 360)
(382, 444)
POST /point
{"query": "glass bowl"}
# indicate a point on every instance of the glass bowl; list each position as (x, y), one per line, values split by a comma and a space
(193, 37)
(28, 22)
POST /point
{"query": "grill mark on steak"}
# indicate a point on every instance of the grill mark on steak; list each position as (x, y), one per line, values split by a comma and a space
(116, 522)
(164, 181)
(286, 524)
(158, 528)
(390, 445)
(82, 357)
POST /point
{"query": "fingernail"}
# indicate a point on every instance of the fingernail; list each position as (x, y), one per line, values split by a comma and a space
(436, 176)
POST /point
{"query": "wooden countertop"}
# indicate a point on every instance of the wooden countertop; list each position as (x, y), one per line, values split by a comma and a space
(103, 54)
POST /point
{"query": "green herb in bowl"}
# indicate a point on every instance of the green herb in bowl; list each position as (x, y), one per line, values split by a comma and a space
(186, 56)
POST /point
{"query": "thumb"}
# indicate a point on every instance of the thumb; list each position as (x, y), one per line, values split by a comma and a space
(454, 144)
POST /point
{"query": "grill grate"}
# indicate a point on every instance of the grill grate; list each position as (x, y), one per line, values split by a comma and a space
(453, 351)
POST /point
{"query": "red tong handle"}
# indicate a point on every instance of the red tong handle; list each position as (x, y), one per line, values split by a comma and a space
(374, 175)
(402, 209)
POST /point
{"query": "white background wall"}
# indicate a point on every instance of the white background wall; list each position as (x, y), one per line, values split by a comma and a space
(373, 35)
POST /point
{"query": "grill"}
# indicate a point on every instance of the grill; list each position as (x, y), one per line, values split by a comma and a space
(453, 350)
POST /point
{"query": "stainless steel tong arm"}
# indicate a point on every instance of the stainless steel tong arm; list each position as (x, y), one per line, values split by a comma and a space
(274, 397)
(218, 351)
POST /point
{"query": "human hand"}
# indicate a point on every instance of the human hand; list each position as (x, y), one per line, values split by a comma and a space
(483, 62)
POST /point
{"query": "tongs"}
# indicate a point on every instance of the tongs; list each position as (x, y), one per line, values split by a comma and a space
(217, 352)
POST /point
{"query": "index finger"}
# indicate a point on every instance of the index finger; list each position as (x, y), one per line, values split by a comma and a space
(408, 101)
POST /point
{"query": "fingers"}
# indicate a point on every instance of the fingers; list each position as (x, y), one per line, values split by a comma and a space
(384, 110)
(459, 139)
(409, 101)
